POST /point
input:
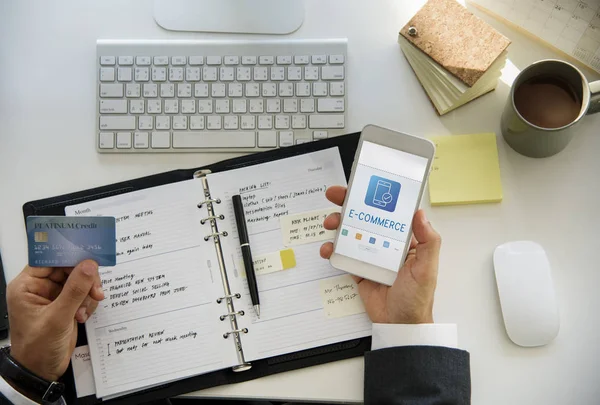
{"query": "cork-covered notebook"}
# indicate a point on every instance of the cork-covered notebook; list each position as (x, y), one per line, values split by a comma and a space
(456, 56)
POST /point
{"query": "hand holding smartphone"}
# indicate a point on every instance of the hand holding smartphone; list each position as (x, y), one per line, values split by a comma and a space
(386, 185)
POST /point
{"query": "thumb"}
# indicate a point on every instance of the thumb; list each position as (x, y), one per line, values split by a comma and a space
(76, 289)
(429, 241)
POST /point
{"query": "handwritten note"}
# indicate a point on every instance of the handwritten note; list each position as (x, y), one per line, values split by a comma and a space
(340, 297)
(82, 371)
(272, 262)
(306, 227)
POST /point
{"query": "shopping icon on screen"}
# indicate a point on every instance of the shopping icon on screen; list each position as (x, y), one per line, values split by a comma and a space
(382, 193)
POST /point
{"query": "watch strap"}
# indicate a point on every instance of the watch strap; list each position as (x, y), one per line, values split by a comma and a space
(26, 382)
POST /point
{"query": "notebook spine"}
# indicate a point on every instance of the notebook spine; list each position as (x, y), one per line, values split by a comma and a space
(228, 296)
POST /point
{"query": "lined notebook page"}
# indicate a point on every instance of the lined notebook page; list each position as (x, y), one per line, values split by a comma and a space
(159, 320)
(292, 315)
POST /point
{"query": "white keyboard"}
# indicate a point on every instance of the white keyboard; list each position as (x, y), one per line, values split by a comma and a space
(218, 96)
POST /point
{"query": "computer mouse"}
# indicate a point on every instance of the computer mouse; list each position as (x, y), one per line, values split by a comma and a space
(526, 291)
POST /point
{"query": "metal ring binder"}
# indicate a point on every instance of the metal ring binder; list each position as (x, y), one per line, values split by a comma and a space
(235, 332)
(228, 296)
(211, 218)
(215, 235)
(240, 313)
(236, 295)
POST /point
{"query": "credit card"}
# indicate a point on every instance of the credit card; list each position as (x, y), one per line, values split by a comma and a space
(67, 241)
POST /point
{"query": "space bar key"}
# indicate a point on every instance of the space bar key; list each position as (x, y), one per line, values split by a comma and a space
(214, 139)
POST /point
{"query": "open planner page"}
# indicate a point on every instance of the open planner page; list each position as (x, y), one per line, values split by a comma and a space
(160, 320)
(292, 306)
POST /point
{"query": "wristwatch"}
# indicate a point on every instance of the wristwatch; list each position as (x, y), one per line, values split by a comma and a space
(27, 383)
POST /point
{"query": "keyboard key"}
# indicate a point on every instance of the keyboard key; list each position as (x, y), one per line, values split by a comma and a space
(298, 121)
(161, 60)
(226, 74)
(142, 74)
(222, 106)
(107, 74)
(188, 106)
(286, 138)
(311, 73)
(267, 139)
(214, 122)
(301, 60)
(273, 105)
(140, 140)
(269, 89)
(231, 60)
(243, 74)
(201, 90)
(336, 89)
(167, 90)
(319, 59)
(178, 61)
(146, 122)
(153, 106)
(159, 74)
(277, 73)
(184, 90)
(132, 90)
(180, 122)
(307, 105)
(252, 89)
(197, 122)
(235, 90)
(113, 106)
(248, 60)
(319, 89)
(106, 140)
(282, 122)
(192, 74)
(317, 135)
(108, 122)
(286, 89)
(213, 60)
(218, 89)
(301, 141)
(239, 106)
(150, 90)
(123, 139)
(143, 60)
(294, 73)
(303, 89)
(336, 59)
(176, 74)
(290, 105)
(330, 105)
(248, 122)
(260, 73)
(230, 122)
(171, 106)
(205, 107)
(256, 106)
(124, 74)
(265, 60)
(163, 122)
(265, 122)
(209, 74)
(284, 60)
(161, 140)
(326, 121)
(136, 106)
(332, 73)
(196, 60)
(107, 60)
(235, 139)
(125, 61)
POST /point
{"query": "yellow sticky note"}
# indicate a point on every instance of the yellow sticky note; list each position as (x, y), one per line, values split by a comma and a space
(272, 262)
(288, 259)
(340, 297)
(306, 227)
(465, 170)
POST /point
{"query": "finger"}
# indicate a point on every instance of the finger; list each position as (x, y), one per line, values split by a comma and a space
(91, 308)
(76, 289)
(428, 248)
(357, 279)
(97, 292)
(336, 194)
(326, 250)
(413, 242)
(332, 221)
(43, 287)
(81, 314)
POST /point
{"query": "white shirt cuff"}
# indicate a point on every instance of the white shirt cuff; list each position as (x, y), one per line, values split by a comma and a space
(13, 395)
(424, 334)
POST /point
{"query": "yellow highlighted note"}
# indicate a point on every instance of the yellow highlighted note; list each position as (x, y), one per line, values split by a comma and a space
(272, 262)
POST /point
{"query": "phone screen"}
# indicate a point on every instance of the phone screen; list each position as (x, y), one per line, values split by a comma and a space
(379, 210)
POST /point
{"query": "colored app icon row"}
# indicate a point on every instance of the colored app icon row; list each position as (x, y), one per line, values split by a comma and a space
(372, 240)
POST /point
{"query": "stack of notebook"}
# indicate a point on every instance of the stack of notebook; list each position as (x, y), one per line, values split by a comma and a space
(456, 56)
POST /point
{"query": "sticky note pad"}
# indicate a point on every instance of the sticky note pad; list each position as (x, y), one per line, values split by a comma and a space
(272, 262)
(340, 297)
(465, 170)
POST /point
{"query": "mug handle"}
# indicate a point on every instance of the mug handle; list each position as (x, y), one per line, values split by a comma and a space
(594, 97)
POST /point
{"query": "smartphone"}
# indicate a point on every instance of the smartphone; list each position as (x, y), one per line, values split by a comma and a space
(388, 177)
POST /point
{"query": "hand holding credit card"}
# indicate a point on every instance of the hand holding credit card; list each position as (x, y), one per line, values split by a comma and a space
(67, 241)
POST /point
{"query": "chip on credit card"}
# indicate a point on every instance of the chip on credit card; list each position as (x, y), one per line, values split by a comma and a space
(67, 241)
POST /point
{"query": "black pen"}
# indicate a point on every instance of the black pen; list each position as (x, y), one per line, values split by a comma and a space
(240, 220)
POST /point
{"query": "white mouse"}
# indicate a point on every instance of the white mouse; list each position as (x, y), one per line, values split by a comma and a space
(526, 293)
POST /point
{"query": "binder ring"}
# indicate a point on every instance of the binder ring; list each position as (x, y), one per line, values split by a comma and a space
(236, 331)
(209, 200)
(211, 217)
(214, 235)
(240, 313)
(236, 295)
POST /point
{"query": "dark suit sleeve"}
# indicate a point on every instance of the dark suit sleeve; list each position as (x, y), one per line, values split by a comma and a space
(417, 375)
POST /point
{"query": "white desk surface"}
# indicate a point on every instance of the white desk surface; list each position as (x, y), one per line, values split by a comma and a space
(47, 115)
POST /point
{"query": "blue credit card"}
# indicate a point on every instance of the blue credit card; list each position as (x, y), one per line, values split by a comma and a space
(66, 241)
